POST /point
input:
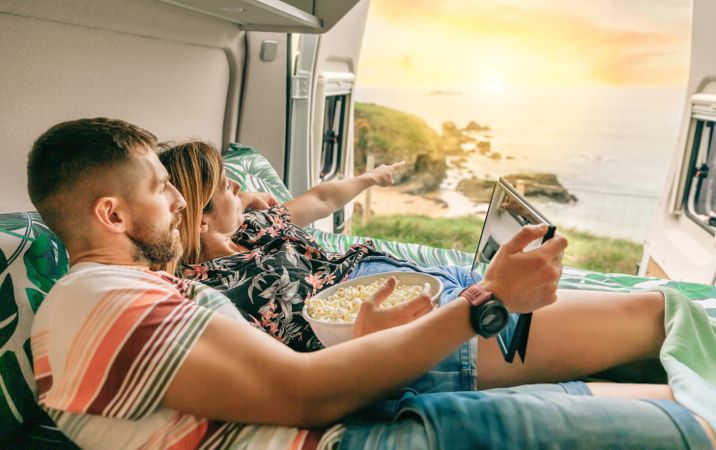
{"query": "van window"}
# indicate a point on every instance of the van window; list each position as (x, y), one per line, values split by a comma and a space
(700, 191)
(332, 151)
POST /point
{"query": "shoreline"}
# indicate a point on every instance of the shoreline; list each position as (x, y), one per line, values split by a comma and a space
(388, 201)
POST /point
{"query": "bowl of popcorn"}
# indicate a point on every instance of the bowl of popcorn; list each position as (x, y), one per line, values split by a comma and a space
(333, 311)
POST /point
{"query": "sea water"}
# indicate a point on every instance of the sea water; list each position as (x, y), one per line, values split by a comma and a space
(609, 146)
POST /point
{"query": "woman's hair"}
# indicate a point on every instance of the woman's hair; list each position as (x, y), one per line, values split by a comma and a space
(195, 169)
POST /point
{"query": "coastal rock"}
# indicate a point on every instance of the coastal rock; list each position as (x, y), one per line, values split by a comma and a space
(473, 126)
(453, 138)
(459, 162)
(544, 185)
(426, 175)
(478, 190)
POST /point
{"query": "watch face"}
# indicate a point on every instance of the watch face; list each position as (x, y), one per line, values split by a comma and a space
(493, 320)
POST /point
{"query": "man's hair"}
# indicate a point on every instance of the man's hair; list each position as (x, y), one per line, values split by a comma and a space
(195, 169)
(70, 154)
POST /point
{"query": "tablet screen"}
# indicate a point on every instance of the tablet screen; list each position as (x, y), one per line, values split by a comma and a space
(507, 213)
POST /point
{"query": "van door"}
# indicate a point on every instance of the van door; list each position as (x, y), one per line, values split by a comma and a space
(320, 146)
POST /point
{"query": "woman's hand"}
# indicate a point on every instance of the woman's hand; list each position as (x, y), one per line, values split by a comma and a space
(258, 200)
(383, 174)
(372, 317)
(322, 199)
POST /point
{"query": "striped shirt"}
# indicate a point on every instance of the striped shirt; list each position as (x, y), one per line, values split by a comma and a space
(107, 343)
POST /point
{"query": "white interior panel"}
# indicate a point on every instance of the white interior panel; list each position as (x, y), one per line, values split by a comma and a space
(263, 103)
(62, 71)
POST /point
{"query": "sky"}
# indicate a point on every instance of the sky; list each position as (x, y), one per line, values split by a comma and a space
(492, 44)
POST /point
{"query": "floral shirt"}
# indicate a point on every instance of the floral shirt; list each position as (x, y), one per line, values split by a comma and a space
(284, 266)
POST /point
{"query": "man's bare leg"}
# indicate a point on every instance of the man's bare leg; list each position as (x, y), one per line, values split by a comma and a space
(582, 333)
(632, 390)
(644, 391)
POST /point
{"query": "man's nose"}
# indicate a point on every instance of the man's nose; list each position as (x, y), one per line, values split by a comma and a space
(179, 202)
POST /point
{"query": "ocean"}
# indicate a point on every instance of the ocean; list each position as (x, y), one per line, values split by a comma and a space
(609, 146)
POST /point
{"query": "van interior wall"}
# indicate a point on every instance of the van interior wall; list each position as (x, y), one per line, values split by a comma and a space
(170, 70)
(263, 103)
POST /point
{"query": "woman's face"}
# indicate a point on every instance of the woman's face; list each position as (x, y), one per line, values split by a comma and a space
(227, 214)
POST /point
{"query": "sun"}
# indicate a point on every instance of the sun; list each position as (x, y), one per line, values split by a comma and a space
(493, 83)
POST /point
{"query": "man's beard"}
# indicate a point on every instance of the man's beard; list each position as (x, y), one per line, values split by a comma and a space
(158, 247)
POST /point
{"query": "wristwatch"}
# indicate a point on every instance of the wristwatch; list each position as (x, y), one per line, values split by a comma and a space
(488, 315)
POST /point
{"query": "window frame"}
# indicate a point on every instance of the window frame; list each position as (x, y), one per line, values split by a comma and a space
(337, 104)
(698, 144)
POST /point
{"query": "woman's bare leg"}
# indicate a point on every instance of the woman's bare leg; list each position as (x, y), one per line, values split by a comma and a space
(582, 333)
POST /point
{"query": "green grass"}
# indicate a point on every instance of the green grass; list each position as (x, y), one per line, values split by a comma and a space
(585, 250)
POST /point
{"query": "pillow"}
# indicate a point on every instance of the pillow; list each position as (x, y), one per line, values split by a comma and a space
(253, 172)
(32, 259)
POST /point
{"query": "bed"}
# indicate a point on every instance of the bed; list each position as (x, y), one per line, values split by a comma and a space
(32, 259)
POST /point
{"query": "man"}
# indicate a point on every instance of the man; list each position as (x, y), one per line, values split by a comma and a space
(126, 357)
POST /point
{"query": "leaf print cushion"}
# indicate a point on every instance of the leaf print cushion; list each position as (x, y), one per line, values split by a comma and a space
(32, 259)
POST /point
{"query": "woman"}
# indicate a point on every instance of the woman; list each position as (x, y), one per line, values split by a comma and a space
(267, 265)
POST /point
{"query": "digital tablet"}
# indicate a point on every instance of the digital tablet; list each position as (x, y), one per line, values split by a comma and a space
(508, 212)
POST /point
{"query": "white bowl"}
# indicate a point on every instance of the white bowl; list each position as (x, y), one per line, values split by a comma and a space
(332, 333)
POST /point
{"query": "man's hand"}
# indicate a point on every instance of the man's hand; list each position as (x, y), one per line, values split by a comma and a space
(526, 281)
(383, 174)
(258, 200)
(372, 317)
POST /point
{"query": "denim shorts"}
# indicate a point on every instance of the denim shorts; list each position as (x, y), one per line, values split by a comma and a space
(457, 372)
(543, 416)
(454, 278)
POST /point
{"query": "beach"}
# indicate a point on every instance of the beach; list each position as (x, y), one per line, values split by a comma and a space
(386, 201)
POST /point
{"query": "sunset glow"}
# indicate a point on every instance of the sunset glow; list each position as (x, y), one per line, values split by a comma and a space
(491, 44)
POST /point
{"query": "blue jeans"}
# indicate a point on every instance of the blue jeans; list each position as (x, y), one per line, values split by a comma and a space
(548, 416)
(443, 410)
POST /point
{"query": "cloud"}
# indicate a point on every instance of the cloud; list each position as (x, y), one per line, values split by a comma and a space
(605, 41)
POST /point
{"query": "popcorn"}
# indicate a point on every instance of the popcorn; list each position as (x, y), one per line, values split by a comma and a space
(344, 304)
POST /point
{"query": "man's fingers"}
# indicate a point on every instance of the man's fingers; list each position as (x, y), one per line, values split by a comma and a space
(557, 244)
(416, 307)
(383, 292)
(527, 234)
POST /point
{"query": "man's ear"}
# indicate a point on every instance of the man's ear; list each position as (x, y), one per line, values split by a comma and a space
(111, 213)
